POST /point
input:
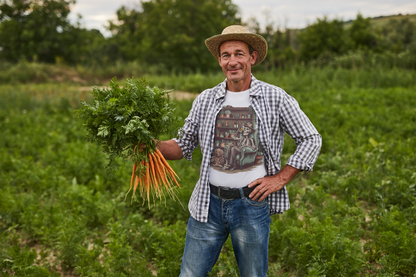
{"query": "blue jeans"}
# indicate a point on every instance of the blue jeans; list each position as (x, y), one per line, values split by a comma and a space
(247, 221)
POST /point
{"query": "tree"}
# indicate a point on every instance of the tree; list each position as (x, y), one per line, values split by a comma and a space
(361, 33)
(281, 46)
(172, 32)
(321, 37)
(397, 35)
(92, 48)
(38, 30)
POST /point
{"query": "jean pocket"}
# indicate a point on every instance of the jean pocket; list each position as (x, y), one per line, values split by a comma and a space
(256, 203)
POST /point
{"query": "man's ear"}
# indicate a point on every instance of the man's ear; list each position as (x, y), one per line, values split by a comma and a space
(219, 60)
(253, 57)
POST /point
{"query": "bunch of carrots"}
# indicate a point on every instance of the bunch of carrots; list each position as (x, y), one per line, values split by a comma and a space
(153, 177)
(119, 117)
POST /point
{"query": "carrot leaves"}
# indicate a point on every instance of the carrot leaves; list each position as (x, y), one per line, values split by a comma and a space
(119, 117)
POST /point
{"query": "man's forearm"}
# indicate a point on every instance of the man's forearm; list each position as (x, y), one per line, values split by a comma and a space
(170, 150)
(287, 173)
(270, 184)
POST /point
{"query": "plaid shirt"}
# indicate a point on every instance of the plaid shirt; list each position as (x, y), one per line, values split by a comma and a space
(277, 113)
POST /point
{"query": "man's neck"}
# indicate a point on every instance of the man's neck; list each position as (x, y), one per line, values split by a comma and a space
(241, 85)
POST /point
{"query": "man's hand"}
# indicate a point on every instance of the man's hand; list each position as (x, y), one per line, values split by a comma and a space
(271, 184)
(139, 147)
(169, 149)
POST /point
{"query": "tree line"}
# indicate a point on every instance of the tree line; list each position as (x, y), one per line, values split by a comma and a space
(170, 34)
(326, 41)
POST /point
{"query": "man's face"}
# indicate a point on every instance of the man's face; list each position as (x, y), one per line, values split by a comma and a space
(236, 61)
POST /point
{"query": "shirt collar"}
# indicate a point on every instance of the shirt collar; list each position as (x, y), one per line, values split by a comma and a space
(220, 91)
(255, 88)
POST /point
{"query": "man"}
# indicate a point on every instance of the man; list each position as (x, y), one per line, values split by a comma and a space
(239, 202)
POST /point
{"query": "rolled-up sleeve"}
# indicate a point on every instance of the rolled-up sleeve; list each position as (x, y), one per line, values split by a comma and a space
(307, 139)
(187, 138)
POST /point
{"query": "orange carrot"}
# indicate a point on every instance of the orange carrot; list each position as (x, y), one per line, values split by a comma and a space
(132, 179)
(168, 175)
(136, 183)
(154, 177)
(161, 169)
(147, 183)
(163, 174)
(165, 163)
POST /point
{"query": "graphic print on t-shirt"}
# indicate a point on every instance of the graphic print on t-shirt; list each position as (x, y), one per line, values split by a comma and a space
(236, 145)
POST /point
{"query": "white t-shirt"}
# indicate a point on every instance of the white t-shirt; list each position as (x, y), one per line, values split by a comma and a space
(237, 159)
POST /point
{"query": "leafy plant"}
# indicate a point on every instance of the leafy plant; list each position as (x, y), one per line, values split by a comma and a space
(20, 261)
(354, 214)
(119, 117)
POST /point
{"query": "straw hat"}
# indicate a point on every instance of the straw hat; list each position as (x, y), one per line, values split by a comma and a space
(238, 32)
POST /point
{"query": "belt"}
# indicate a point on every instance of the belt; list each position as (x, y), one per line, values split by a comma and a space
(230, 193)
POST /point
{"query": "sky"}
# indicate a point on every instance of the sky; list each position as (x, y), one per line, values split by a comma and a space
(282, 13)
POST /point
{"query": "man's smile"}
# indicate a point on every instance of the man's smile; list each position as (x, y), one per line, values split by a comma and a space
(233, 69)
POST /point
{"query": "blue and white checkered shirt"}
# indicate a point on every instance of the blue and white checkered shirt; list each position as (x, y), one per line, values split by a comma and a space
(277, 113)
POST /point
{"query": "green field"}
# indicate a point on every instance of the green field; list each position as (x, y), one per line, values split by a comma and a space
(61, 214)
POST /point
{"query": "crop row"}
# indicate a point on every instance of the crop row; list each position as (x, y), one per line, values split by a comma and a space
(61, 213)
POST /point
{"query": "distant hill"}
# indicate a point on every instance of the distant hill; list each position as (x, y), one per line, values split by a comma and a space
(381, 20)
(377, 21)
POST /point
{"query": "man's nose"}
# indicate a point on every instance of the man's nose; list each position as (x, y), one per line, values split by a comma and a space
(233, 60)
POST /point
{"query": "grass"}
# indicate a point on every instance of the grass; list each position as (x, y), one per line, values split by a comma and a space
(61, 214)
(353, 70)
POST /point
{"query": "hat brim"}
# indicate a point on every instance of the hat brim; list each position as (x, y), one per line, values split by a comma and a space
(257, 42)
